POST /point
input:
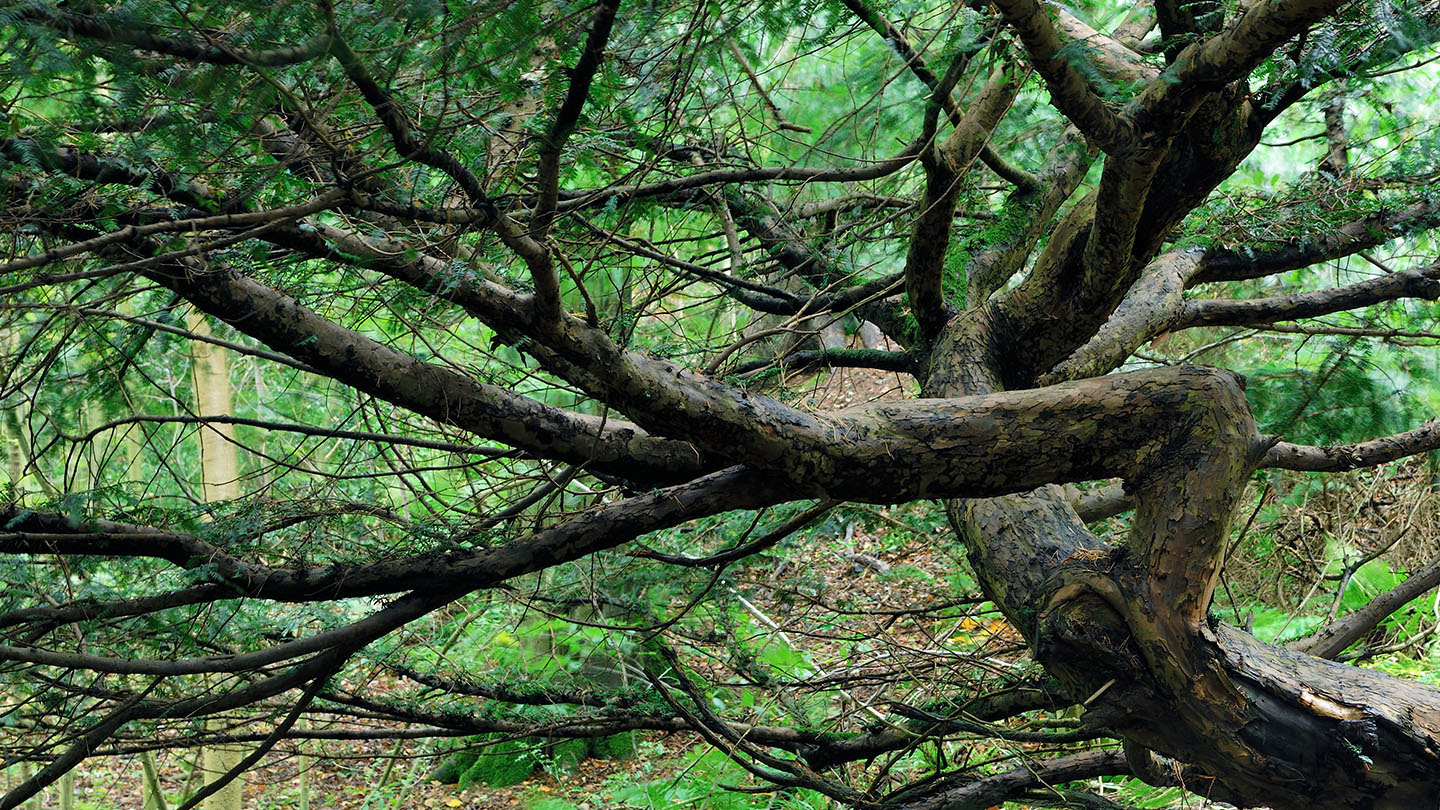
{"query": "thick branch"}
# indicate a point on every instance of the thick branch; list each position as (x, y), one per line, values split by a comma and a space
(439, 393)
(1070, 92)
(1208, 66)
(1149, 308)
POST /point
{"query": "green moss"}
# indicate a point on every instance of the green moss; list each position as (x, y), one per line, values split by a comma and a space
(566, 756)
(616, 746)
(1006, 228)
(501, 765)
(454, 765)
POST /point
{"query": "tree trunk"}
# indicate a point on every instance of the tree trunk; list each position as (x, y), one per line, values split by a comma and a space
(1125, 628)
(220, 482)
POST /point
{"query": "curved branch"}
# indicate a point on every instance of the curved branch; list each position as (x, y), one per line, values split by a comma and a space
(1112, 499)
(1149, 308)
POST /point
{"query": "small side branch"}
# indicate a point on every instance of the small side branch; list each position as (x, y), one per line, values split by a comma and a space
(1333, 638)
(780, 120)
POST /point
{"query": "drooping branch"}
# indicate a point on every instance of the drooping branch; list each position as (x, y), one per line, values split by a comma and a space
(217, 52)
(308, 430)
(138, 707)
(572, 199)
(282, 323)
(397, 122)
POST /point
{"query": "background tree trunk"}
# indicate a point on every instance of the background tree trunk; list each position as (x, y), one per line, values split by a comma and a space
(220, 482)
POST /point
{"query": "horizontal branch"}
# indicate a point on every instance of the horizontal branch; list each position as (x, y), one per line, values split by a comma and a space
(1420, 282)
(308, 430)
(1111, 500)
(902, 362)
(188, 225)
(1235, 264)
(465, 567)
(571, 200)
(990, 791)
(110, 30)
(1342, 457)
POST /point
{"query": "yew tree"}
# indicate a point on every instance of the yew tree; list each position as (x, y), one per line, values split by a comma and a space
(533, 303)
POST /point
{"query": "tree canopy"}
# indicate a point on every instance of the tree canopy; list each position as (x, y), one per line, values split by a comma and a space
(337, 336)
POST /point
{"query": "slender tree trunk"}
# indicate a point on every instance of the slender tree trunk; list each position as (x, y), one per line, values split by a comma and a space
(153, 793)
(67, 791)
(27, 770)
(221, 482)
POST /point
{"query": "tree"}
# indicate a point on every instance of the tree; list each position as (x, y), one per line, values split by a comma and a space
(512, 285)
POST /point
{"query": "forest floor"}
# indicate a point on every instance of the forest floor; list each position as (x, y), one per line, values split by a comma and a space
(383, 774)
